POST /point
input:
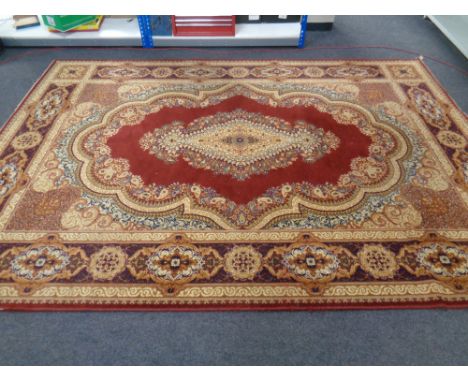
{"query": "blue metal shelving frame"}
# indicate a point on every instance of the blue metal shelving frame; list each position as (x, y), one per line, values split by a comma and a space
(302, 34)
(145, 31)
(147, 35)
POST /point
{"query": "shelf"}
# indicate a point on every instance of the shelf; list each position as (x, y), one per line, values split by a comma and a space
(113, 32)
(255, 34)
(122, 32)
(455, 29)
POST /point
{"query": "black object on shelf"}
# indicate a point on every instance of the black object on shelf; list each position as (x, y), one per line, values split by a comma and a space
(280, 19)
(161, 25)
(246, 19)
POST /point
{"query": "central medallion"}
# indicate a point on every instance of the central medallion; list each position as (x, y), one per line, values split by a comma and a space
(239, 143)
(238, 157)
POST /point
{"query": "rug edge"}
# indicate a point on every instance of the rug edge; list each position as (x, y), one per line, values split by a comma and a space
(231, 307)
(436, 80)
(28, 94)
(253, 307)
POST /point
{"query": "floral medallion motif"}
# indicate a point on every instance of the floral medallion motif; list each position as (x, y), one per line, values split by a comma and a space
(27, 140)
(107, 263)
(404, 72)
(72, 72)
(48, 108)
(440, 259)
(353, 71)
(198, 72)
(276, 72)
(123, 72)
(11, 173)
(8, 177)
(314, 72)
(238, 72)
(239, 144)
(443, 260)
(175, 263)
(243, 262)
(43, 261)
(311, 263)
(40, 263)
(429, 108)
(451, 139)
(162, 72)
(378, 261)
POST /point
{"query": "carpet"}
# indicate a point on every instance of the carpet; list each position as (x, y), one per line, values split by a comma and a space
(195, 185)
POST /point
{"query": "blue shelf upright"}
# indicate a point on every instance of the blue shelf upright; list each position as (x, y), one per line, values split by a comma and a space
(302, 34)
(145, 31)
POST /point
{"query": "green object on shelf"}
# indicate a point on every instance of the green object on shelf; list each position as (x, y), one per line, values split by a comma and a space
(64, 23)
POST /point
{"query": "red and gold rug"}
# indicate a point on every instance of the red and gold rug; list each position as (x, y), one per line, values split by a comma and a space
(190, 185)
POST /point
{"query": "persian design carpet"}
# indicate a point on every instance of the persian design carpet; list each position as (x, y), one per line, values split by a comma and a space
(192, 185)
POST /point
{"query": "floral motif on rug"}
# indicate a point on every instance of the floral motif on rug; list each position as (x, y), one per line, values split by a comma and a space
(191, 185)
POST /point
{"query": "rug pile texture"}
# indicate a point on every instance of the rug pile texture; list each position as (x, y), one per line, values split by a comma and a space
(191, 185)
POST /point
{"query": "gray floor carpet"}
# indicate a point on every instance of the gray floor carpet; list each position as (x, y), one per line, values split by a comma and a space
(403, 337)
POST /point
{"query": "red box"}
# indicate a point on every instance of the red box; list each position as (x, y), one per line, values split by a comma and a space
(203, 25)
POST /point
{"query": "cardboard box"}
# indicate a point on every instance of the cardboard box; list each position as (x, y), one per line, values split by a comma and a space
(64, 23)
(87, 27)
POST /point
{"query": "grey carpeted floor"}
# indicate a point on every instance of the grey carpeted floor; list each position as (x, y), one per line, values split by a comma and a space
(404, 337)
